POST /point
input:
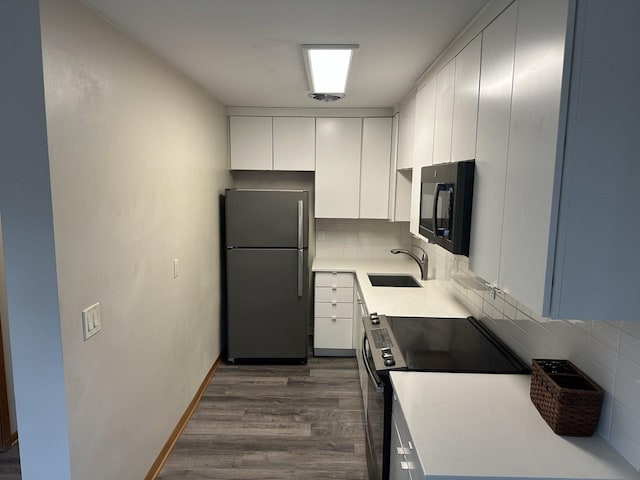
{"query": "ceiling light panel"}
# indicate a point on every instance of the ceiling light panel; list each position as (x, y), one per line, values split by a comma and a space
(328, 67)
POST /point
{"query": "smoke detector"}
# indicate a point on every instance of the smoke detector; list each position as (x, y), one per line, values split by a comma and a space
(326, 97)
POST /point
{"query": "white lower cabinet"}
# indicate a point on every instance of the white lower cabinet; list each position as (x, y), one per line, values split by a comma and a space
(334, 314)
(404, 464)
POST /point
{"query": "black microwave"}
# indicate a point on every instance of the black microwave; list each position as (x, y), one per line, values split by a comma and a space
(446, 198)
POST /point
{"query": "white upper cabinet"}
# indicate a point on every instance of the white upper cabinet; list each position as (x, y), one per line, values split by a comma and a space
(399, 181)
(406, 132)
(445, 81)
(337, 182)
(494, 114)
(424, 124)
(535, 134)
(569, 247)
(374, 175)
(597, 259)
(251, 143)
(465, 102)
(266, 143)
(294, 143)
(423, 147)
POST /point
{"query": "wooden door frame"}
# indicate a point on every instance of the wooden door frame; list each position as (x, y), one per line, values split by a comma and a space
(7, 437)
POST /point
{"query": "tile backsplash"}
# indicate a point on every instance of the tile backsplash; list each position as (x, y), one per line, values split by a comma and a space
(360, 238)
(609, 352)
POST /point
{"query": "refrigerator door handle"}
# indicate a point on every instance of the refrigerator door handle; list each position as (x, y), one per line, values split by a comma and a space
(300, 224)
(300, 271)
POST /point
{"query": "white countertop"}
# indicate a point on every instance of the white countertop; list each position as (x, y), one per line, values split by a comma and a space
(432, 300)
(483, 425)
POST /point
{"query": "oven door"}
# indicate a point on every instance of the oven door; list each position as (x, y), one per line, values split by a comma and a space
(360, 333)
(374, 400)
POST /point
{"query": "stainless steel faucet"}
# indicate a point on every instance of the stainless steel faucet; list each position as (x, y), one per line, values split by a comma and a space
(423, 262)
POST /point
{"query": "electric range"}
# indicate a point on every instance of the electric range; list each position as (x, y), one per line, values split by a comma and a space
(460, 345)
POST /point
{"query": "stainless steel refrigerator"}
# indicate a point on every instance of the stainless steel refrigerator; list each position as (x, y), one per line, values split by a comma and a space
(267, 233)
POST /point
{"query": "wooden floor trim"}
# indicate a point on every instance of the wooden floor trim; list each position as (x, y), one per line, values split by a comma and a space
(182, 423)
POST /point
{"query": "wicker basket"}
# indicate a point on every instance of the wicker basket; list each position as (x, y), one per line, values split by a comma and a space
(565, 397)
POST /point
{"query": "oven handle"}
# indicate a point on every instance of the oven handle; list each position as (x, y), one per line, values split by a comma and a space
(365, 360)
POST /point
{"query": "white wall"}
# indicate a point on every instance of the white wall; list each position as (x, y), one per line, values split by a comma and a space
(138, 156)
(609, 352)
(28, 243)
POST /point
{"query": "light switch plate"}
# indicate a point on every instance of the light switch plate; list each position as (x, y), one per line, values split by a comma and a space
(91, 321)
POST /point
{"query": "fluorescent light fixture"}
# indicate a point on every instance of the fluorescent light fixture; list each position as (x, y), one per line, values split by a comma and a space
(328, 66)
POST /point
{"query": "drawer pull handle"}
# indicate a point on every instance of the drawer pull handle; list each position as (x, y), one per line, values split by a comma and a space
(410, 445)
(333, 302)
(334, 318)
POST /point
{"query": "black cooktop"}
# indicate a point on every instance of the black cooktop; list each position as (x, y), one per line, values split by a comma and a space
(452, 345)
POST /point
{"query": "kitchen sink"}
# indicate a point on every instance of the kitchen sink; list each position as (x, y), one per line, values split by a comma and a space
(393, 280)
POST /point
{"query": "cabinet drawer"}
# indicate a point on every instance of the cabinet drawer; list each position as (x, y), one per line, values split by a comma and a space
(332, 333)
(337, 294)
(334, 279)
(408, 447)
(331, 310)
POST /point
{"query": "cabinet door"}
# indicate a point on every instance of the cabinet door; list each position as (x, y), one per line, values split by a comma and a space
(465, 102)
(530, 207)
(494, 113)
(337, 184)
(375, 166)
(601, 171)
(444, 113)
(250, 141)
(333, 333)
(424, 124)
(425, 127)
(406, 131)
(294, 143)
(397, 462)
(391, 214)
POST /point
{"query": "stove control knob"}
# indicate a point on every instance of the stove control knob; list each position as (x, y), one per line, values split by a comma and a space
(389, 362)
(375, 319)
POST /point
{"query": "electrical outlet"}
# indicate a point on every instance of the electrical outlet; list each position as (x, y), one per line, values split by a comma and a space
(176, 265)
(91, 321)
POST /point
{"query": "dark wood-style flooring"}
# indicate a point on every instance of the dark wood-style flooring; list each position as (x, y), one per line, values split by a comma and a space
(268, 422)
(275, 422)
(10, 464)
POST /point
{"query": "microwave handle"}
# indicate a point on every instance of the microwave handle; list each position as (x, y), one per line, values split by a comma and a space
(440, 187)
(434, 214)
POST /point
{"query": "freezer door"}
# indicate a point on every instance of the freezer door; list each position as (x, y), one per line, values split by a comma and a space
(267, 295)
(267, 218)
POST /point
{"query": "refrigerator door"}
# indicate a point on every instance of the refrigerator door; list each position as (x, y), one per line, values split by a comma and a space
(267, 296)
(267, 218)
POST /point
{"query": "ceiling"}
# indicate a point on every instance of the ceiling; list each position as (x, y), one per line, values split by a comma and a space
(247, 52)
